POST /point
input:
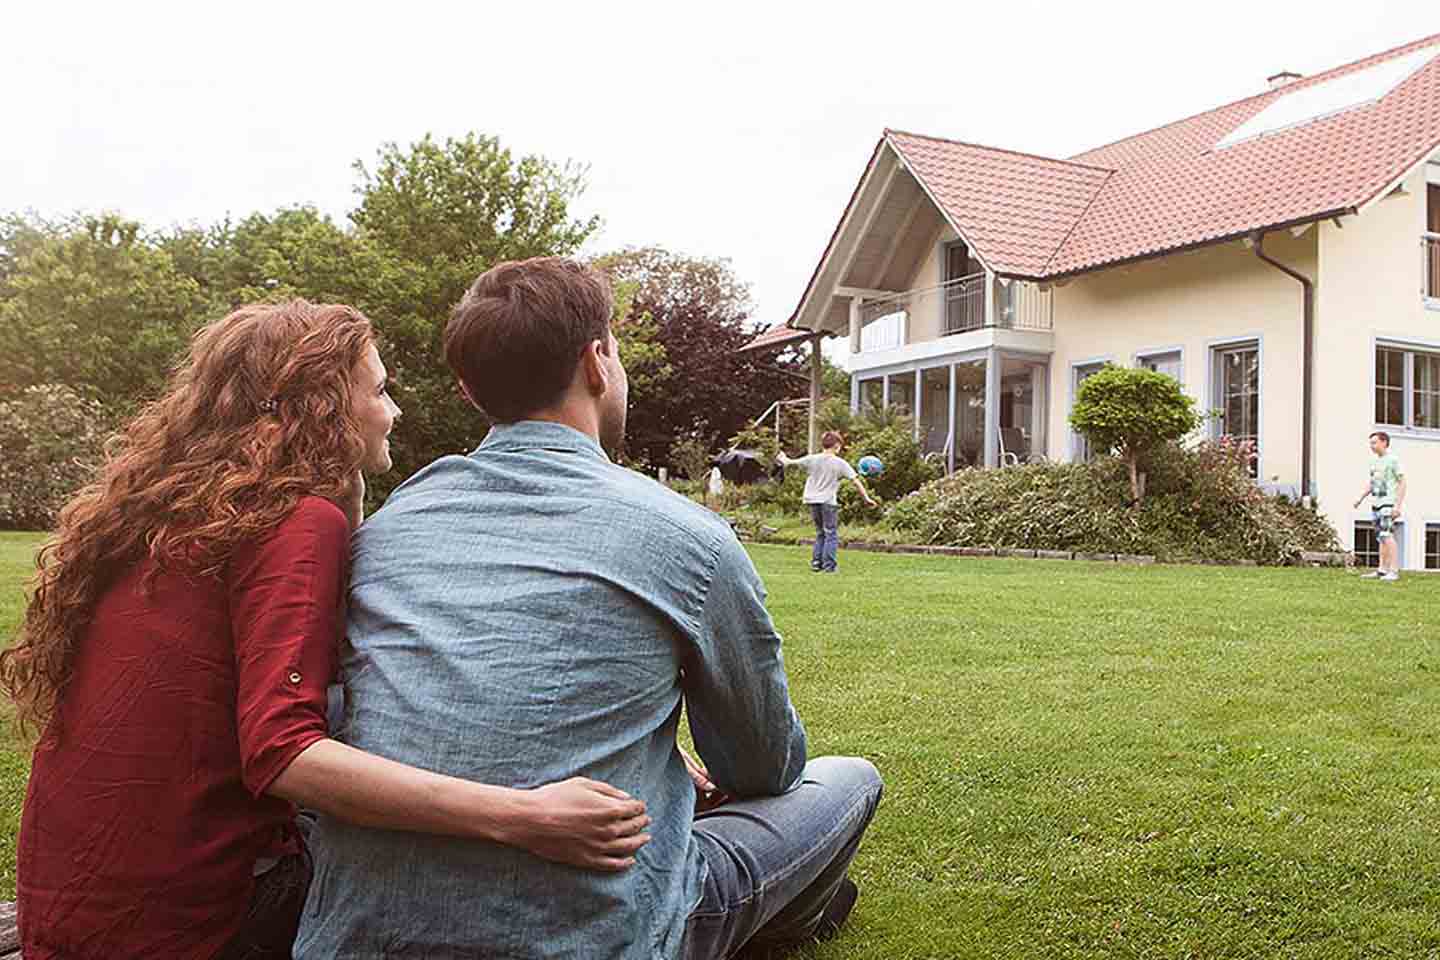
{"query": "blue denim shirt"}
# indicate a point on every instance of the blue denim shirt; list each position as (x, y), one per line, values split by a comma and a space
(525, 614)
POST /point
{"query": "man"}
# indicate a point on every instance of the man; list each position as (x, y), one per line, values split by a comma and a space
(1386, 490)
(826, 470)
(532, 608)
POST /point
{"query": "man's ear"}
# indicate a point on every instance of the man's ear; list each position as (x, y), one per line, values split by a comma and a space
(465, 392)
(592, 367)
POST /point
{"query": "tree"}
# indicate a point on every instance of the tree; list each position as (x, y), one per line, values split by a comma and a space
(1132, 412)
(434, 216)
(701, 311)
(94, 305)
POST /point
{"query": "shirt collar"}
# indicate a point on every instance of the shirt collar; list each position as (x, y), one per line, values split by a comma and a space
(539, 435)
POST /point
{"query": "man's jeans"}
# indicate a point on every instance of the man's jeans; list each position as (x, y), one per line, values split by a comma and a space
(776, 862)
(827, 534)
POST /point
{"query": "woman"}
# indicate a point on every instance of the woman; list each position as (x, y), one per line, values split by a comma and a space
(176, 651)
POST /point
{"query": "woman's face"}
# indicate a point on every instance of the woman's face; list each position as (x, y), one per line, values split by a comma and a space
(374, 411)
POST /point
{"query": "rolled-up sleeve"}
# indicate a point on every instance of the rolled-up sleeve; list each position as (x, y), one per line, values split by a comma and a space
(737, 697)
(285, 606)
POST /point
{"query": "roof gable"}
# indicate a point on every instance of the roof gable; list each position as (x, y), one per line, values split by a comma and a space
(1015, 209)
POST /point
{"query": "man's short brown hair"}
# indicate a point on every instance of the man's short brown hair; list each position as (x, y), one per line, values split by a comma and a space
(515, 337)
(831, 439)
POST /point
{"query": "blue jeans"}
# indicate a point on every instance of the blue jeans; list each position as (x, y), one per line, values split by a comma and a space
(774, 863)
(827, 534)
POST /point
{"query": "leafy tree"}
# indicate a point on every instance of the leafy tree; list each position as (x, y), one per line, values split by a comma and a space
(93, 305)
(1133, 413)
(700, 309)
(434, 216)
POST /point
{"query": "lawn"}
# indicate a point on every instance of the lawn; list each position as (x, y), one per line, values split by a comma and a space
(1102, 761)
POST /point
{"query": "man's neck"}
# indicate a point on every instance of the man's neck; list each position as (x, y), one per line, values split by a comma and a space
(568, 415)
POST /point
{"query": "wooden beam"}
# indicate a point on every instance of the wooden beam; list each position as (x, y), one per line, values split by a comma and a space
(906, 226)
(864, 292)
(817, 368)
(867, 221)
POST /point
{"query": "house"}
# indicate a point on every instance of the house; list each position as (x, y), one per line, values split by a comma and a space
(1279, 256)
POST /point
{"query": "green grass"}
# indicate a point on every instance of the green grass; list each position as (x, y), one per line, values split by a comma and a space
(17, 562)
(1101, 761)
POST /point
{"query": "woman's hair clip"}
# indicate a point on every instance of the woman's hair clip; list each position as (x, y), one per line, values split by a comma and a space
(270, 406)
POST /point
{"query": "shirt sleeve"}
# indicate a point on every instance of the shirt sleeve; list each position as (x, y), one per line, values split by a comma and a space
(285, 596)
(736, 694)
(847, 471)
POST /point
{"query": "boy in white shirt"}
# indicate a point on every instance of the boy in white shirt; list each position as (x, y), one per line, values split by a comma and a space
(826, 470)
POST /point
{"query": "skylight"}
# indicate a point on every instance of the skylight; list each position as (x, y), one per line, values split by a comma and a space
(1320, 100)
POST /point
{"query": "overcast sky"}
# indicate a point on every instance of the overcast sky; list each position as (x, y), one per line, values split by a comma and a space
(736, 130)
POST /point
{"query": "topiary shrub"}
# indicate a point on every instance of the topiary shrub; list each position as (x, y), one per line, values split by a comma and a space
(51, 441)
(1133, 413)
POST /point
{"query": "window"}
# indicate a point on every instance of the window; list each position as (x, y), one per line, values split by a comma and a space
(1168, 363)
(1079, 445)
(1407, 388)
(1237, 396)
(1432, 546)
(1329, 97)
(1390, 386)
(1367, 547)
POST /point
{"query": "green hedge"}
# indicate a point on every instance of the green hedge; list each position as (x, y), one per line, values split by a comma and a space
(51, 441)
(1200, 504)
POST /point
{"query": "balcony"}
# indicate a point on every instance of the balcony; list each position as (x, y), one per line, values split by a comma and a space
(952, 308)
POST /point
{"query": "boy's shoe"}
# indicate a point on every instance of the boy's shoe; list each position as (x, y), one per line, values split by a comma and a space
(1390, 577)
(1372, 575)
(814, 567)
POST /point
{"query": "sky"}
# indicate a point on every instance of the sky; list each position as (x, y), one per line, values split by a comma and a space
(731, 130)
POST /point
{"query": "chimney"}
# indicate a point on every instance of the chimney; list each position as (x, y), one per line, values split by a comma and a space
(1281, 79)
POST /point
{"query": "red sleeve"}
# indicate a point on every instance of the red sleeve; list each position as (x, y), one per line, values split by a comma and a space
(285, 596)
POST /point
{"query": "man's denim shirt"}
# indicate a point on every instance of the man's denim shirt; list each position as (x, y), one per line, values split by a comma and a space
(521, 615)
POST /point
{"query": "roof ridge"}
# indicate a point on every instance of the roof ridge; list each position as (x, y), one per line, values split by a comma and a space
(1013, 153)
(1045, 270)
(1306, 82)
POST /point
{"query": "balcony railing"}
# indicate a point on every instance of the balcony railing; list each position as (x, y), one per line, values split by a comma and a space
(954, 307)
(1430, 247)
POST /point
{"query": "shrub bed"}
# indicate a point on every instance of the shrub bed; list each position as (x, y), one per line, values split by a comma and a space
(1200, 505)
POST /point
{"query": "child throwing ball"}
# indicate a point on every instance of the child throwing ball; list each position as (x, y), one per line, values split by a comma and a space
(826, 470)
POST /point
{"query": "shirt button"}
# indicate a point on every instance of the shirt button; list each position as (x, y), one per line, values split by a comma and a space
(294, 677)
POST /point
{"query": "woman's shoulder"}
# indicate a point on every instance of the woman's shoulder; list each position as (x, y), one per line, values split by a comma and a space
(313, 511)
(314, 527)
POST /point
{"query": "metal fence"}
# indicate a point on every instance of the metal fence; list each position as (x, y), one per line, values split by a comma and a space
(954, 307)
(1430, 247)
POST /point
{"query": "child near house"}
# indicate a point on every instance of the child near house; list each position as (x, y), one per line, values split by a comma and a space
(1386, 490)
(826, 470)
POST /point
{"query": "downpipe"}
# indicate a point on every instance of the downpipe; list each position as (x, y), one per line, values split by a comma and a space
(1307, 362)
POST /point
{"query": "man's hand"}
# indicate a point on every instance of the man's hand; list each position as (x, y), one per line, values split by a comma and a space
(707, 795)
(584, 823)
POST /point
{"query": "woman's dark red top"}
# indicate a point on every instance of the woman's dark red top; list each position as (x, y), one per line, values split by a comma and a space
(146, 811)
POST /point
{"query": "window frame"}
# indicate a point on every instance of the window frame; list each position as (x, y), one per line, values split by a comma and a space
(1429, 528)
(1409, 349)
(1368, 523)
(1222, 347)
(1151, 353)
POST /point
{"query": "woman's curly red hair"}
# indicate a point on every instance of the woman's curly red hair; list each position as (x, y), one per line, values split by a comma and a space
(257, 417)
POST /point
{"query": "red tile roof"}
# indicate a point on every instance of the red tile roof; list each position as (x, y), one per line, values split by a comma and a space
(1170, 188)
(780, 335)
(1015, 209)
